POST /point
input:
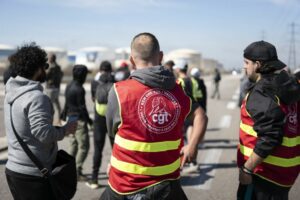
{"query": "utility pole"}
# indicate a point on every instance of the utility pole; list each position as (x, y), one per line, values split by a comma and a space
(292, 64)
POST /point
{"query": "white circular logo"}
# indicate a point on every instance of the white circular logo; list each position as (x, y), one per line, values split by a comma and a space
(158, 110)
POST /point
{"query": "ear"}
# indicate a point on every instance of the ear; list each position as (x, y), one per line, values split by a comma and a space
(132, 61)
(257, 65)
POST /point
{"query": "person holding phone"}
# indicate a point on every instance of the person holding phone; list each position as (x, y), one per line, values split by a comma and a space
(75, 106)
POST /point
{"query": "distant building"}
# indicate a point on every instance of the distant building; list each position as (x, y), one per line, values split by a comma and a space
(209, 65)
(191, 56)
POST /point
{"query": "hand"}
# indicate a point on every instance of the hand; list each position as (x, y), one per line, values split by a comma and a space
(188, 154)
(71, 127)
(244, 178)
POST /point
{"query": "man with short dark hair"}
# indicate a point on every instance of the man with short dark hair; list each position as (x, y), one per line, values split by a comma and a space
(32, 116)
(268, 153)
(53, 80)
(145, 114)
(99, 97)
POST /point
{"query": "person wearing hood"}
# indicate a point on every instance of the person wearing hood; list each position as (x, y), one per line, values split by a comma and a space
(75, 105)
(145, 115)
(31, 112)
(99, 97)
(268, 153)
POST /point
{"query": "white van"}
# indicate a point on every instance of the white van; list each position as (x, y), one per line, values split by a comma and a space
(93, 56)
(122, 56)
(5, 52)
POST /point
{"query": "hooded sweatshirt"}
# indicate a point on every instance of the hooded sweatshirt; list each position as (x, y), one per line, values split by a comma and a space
(154, 77)
(262, 105)
(32, 115)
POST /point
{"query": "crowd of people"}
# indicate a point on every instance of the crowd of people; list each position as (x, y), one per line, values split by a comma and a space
(151, 111)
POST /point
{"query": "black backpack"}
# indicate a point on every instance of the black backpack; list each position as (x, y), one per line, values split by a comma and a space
(102, 92)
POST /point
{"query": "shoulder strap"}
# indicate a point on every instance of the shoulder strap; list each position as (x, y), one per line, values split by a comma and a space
(45, 172)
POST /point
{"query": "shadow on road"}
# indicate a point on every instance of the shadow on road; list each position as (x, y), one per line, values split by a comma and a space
(201, 177)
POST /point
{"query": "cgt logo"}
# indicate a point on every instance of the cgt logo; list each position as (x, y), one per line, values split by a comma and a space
(159, 114)
(159, 110)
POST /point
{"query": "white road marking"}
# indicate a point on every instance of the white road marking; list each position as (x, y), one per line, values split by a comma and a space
(225, 121)
(231, 105)
(212, 157)
(204, 180)
(235, 97)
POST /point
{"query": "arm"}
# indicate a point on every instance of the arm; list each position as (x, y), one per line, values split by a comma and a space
(200, 120)
(40, 119)
(113, 114)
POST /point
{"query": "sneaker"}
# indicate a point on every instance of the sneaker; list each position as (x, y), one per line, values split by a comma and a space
(93, 184)
(81, 178)
(190, 168)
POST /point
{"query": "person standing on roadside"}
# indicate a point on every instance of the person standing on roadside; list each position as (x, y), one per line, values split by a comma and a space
(75, 105)
(31, 112)
(145, 115)
(53, 80)
(216, 82)
(268, 153)
(100, 97)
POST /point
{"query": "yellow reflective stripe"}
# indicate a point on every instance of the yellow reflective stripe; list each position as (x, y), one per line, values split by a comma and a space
(248, 129)
(142, 170)
(287, 142)
(146, 146)
(274, 160)
(181, 82)
(101, 108)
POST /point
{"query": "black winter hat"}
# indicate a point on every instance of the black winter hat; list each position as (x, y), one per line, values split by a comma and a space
(265, 52)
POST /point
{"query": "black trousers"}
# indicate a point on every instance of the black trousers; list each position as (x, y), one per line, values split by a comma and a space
(100, 131)
(26, 187)
(167, 190)
(261, 189)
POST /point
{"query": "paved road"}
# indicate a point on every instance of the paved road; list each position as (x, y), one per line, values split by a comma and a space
(217, 179)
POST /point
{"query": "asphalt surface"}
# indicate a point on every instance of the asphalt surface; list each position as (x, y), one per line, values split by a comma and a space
(218, 176)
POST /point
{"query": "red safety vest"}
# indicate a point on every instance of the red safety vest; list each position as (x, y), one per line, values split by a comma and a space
(283, 165)
(148, 142)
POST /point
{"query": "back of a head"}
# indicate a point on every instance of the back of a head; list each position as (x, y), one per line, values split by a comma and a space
(181, 65)
(145, 47)
(195, 72)
(80, 73)
(52, 58)
(105, 66)
(27, 60)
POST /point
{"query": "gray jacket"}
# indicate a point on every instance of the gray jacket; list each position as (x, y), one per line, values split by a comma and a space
(32, 114)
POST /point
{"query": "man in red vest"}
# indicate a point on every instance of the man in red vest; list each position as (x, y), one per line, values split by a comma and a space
(146, 114)
(269, 149)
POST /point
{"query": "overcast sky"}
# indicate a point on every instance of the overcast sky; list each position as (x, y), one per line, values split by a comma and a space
(219, 29)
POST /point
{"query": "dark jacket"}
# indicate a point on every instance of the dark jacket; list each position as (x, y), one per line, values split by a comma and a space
(75, 102)
(104, 78)
(54, 76)
(262, 105)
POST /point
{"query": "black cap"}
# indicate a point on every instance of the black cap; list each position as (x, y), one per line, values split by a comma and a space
(265, 52)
